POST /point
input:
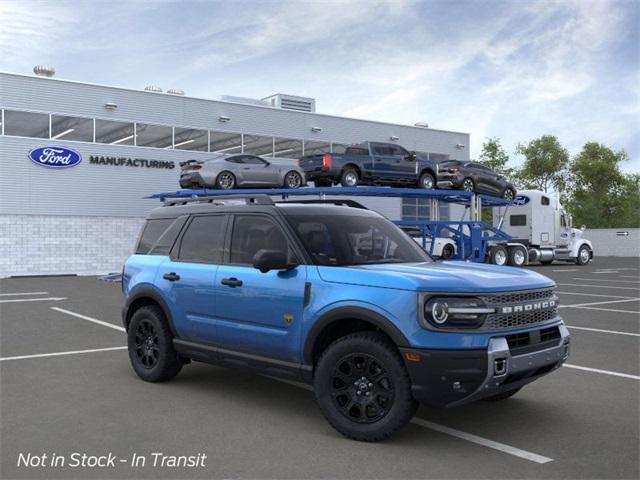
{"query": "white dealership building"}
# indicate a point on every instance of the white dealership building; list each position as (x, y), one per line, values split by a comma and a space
(84, 219)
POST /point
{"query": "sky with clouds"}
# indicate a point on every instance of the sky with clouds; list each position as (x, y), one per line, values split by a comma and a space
(514, 70)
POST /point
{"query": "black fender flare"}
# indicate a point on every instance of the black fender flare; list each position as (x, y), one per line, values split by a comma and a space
(153, 294)
(351, 313)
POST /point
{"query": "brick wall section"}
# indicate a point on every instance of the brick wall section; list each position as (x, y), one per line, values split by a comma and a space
(44, 245)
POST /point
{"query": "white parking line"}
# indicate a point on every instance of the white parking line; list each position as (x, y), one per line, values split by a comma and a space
(628, 276)
(605, 280)
(598, 286)
(516, 452)
(599, 330)
(485, 442)
(610, 310)
(567, 270)
(604, 272)
(88, 319)
(591, 295)
(606, 372)
(598, 303)
(57, 354)
(19, 300)
(22, 293)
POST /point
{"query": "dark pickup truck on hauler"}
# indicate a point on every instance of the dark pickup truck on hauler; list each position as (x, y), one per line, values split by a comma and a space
(371, 163)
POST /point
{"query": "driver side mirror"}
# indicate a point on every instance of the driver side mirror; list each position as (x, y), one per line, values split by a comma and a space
(265, 260)
(412, 156)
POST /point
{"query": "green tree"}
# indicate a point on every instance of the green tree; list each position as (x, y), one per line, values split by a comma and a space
(600, 195)
(545, 164)
(494, 156)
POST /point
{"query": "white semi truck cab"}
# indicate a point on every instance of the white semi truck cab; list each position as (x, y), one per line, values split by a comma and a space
(541, 231)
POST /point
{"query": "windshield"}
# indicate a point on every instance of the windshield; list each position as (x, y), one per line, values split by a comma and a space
(344, 240)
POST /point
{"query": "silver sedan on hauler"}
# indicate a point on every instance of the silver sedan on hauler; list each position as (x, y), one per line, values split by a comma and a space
(241, 170)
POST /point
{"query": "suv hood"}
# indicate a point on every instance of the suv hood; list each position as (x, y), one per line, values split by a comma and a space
(454, 276)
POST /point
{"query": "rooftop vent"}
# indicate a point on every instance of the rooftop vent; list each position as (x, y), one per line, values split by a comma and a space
(153, 88)
(44, 71)
(421, 124)
(291, 102)
(175, 91)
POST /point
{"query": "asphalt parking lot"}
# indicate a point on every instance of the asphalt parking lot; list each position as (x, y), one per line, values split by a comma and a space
(66, 386)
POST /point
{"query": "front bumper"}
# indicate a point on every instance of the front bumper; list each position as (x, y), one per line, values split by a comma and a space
(448, 378)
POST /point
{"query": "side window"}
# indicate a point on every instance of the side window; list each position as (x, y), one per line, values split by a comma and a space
(563, 220)
(518, 220)
(151, 232)
(203, 241)
(168, 238)
(251, 160)
(238, 159)
(544, 201)
(399, 151)
(379, 149)
(252, 233)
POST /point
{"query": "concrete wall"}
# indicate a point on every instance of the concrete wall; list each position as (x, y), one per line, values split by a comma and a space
(609, 242)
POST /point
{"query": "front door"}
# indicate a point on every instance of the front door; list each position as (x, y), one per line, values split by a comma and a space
(187, 278)
(259, 313)
(257, 171)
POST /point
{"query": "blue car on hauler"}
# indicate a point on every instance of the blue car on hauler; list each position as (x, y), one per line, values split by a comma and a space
(338, 297)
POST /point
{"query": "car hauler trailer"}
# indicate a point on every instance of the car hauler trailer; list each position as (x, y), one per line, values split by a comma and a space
(473, 239)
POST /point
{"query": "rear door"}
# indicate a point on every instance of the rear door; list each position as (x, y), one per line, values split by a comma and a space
(187, 277)
(259, 313)
(383, 160)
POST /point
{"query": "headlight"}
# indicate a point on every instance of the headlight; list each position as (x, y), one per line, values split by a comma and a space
(456, 312)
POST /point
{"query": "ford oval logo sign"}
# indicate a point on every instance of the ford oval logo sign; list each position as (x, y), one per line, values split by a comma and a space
(521, 200)
(55, 157)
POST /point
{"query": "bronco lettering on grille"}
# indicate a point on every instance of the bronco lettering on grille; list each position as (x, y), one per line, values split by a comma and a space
(529, 307)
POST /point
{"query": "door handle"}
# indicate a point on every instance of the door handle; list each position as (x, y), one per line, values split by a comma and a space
(172, 277)
(231, 282)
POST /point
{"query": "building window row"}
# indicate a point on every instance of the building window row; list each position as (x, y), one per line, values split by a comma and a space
(114, 132)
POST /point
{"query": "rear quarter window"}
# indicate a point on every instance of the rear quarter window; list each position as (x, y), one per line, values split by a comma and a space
(151, 233)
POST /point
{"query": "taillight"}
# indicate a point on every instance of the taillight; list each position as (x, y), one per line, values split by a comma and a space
(196, 167)
(326, 161)
(299, 162)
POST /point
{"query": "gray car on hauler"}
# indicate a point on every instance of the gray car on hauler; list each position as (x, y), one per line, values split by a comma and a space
(241, 170)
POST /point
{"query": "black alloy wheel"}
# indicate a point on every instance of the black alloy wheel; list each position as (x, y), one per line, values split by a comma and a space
(468, 185)
(361, 388)
(293, 180)
(146, 344)
(150, 345)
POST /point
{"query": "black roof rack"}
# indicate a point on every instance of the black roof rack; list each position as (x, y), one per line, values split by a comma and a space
(220, 200)
(337, 201)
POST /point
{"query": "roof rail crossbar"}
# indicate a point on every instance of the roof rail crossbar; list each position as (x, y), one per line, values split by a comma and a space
(220, 200)
(339, 202)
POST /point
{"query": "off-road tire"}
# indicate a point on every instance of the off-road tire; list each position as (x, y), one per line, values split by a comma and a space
(346, 176)
(150, 322)
(378, 354)
(502, 396)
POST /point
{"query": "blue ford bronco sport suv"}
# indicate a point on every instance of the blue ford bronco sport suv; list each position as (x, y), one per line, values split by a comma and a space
(338, 297)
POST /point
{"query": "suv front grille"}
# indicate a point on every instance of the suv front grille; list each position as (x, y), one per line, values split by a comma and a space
(518, 318)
